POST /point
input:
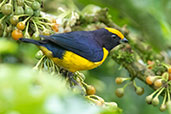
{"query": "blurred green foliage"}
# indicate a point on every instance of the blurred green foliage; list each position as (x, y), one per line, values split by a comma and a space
(24, 91)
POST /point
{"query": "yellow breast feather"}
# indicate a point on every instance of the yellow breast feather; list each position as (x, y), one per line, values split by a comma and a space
(74, 62)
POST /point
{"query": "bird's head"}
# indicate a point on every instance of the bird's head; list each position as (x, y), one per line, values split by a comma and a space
(116, 34)
(111, 38)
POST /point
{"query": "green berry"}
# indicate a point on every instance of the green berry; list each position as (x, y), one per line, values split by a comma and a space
(163, 107)
(19, 10)
(20, 2)
(36, 36)
(155, 101)
(35, 5)
(39, 55)
(119, 92)
(168, 104)
(14, 20)
(139, 91)
(29, 11)
(148, 99)
(26, 35)
(7, 9)
(37, 13)
(9, 29)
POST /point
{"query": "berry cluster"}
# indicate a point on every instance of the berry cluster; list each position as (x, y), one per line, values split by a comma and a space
(22, 18)
(163, 86)
(120, 91)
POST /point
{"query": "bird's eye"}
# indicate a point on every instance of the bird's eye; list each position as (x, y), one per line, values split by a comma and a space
(113, 36)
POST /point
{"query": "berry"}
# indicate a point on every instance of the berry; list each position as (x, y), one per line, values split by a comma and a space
(150, 62)
(158, 83)
(21, 26)
(19, 10)
(9, 29)
(16, 34)
(26, 35)
(55, 27)
(39, 55)
(90, 90)
(169, 77)
(29, 11)
(119, 92)
(7, 9)
(169, 70)
(35, 5)
(37, 13)
(36, 36)
(163, 107)
(148, 99)
(150, 80)
(119, 80)
(168, 104)
(165, 75)
(14, 20)
(139, 91)
(46, 32)
(155, 101)
(53, 20)
(20, 2)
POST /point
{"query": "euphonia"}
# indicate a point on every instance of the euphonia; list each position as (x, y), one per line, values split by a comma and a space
(79, 50)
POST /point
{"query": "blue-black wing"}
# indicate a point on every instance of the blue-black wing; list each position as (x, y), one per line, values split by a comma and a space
(79, 42)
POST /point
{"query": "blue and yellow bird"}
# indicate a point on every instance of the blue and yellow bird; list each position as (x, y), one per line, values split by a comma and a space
(79, 50)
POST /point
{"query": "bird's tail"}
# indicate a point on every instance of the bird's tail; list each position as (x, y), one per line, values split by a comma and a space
(26, 40)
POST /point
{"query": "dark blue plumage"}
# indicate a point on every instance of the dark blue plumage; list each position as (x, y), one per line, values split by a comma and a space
(55, 49)
(78, 42)
(87, 44)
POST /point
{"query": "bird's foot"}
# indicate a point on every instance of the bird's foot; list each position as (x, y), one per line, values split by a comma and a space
(72, 81)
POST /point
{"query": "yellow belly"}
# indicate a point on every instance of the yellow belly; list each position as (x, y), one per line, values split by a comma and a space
(74, 62)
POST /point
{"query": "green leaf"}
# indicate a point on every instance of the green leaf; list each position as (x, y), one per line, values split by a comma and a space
(7, 46)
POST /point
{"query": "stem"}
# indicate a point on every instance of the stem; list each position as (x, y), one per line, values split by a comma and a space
(27, 26)
(3, 18)
(5, 33)
(46, 24)
(164, 100)
(10, 2)
(42, 27)
(26, 19)
(134, 84)
(37, 30)
(126, 85)
(18, 16)
(2, 3)
(159, 92)
(168, 94)
(43, 18)
(28, 2)
(39, 62)
(156, 91)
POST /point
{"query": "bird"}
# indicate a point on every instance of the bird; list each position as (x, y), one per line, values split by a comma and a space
(79, 50)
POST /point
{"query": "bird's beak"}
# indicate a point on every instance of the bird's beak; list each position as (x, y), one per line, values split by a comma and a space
(124, 40)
